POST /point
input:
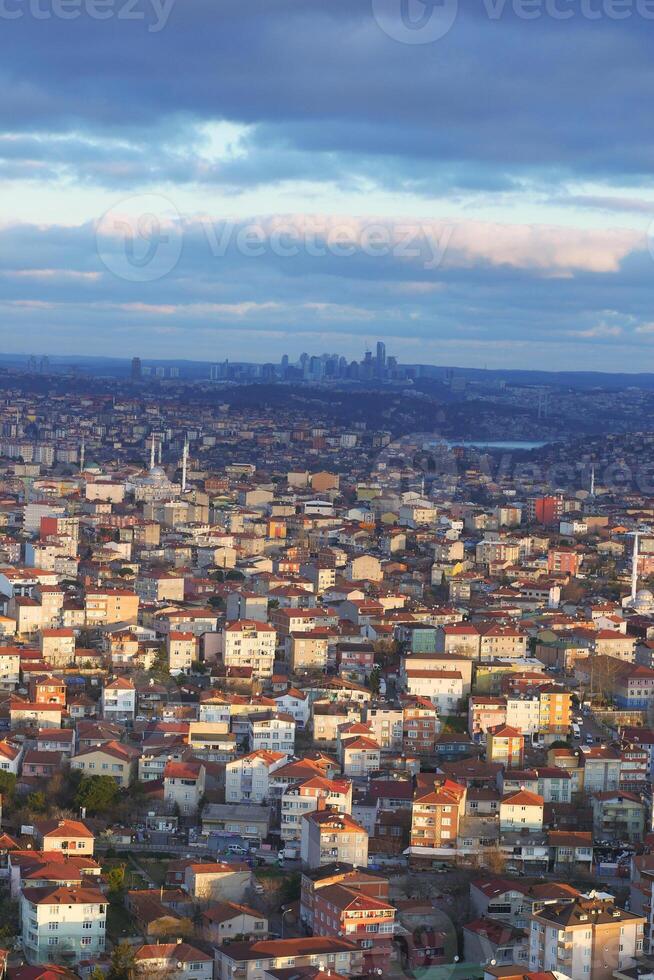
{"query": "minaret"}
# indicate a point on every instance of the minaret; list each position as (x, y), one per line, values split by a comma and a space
(152, 452)
(159, 444)
(82, 455)
(634, 568)
(592, 480)
(184, 464)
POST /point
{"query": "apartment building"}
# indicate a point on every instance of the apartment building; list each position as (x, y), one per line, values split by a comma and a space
(317, 793)
(63, 922)
(362, 919)
(438, 806)
(248, 643)
(181, 646)
(386, 724)
(184, 786)
(247, 778)
(272, 731)
(119, 700)
(101, 608)
(506, 745)
(590, 937)
(361, 756)
(420, 725)
(328, 837)
(521, 811)
(110, 759)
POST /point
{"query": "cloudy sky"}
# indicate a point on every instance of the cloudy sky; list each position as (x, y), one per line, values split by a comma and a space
(471, 181)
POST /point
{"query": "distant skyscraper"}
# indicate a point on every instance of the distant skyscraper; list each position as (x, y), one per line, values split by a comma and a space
(136, 369)
(381, 353)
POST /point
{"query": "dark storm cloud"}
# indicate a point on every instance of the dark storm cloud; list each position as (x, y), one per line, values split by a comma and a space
(498, 99)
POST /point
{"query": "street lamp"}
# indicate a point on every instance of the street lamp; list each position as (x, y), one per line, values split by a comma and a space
(284, 912)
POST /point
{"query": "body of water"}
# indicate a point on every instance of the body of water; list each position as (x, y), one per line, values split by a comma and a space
(481, 444)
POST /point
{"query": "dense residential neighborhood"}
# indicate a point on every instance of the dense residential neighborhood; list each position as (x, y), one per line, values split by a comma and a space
(269, 714)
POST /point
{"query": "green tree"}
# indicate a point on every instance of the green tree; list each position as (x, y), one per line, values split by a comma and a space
(37, 803)
(9, 926)
(160, 666)
(7, 784)
(122, 962)
(97, 793)
(116, 880)
(374, 680)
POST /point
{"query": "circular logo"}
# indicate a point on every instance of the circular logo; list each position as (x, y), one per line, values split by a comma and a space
(415, 21)
(140, 239)
(417, 463)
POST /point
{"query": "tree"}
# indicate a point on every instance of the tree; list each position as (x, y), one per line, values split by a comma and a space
(122, 962)
(37, 803)
(116, 880)
(7, 784)
(97, 793)
(374, 681)
(160, 667)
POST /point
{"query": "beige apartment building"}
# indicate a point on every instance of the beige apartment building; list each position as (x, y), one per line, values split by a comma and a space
(111, 606)
(248, 643)
(589, 938)
(329, 837)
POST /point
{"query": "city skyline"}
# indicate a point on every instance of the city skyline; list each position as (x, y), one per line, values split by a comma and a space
(494, 222)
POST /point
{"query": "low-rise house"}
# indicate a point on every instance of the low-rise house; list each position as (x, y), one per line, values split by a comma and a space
(179, 961)
(255, 960)
(56, 740)
(521, 811)
(246, 820)
(570, 851)
(211, 882)
(109, 759)
(68, 836)
(488, 940)
(226, 920)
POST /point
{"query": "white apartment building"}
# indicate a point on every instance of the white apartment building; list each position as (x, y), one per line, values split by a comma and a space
(119, 700)
(247, 779)
(63, 923)
(248, 643)
(181, 646)
(272, 732)
(9, 670)
(523, 714)
(309, 796)
(295, 703)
